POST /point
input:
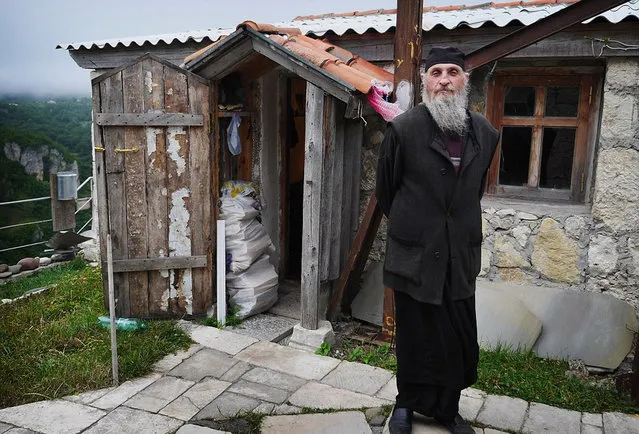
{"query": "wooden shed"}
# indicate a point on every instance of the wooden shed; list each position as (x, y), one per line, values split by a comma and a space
(163, 156)
(156, 199)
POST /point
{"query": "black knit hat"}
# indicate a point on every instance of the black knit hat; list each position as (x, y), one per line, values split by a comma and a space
(445, 55)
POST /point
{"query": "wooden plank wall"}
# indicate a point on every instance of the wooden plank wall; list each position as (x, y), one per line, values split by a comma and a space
(339, 217)
(159, 190)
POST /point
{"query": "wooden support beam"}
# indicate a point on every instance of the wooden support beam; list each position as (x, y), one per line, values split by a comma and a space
(149, 119)
(548, 26)
(168, 263)
(313, 162)
(408, 47)
(356, 258)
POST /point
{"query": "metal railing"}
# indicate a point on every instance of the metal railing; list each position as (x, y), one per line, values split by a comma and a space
(87, 200)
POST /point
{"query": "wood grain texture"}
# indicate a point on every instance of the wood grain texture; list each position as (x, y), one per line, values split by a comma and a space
(327, 209)
(149, 119)
(157, 218)
(313, 158)
(135, 190)
(200, 177)
(101, 190)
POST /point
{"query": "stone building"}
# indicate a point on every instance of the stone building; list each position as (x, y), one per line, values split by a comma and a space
(562, 205)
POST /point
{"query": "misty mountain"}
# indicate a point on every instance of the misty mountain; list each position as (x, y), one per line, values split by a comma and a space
(37, 138)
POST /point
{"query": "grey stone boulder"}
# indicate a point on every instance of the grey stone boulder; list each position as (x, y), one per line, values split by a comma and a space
(596, 328)
(29, 263)
(15, 269)
(5, 274)
(45, 261)
(3, 268)
(503, 320)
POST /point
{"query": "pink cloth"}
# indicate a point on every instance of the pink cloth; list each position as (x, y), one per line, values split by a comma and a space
(377, 100)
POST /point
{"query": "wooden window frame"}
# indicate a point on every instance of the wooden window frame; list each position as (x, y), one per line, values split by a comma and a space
(589, 81)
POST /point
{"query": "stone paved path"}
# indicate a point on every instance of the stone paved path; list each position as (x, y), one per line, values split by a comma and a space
(225, 374)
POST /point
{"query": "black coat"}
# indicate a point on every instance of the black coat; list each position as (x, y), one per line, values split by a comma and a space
(434, 213)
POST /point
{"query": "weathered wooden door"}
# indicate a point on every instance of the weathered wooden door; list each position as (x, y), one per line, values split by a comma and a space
(153, 174)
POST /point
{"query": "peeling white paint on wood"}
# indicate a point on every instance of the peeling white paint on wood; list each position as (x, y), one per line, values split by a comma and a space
(180, 245)
(173, 148)
(151, 142)
(148, 81)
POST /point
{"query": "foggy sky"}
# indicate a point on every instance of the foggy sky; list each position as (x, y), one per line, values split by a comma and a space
(31, 29)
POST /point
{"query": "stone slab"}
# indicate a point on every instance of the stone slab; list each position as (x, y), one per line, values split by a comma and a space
(172, 360)
(52, 417)
(195, 399)
(260, 391)
(421, 425)
(288, 360)
(266, 327)
(197, 429)
(124, 420)
(469, 407)
(543, 418)
(595, 328)
(236, 371)
(619, 423)
(159, 394)
(389, 390)
(310, 340)
(368, 304)
(220, 340)
(204, 363)
(123, 392)
(503, 320)
(4, 427)
(352, 422)
(20, 431)
(595, 419)
(286, 409)
(264, 408)
(226, 406)
(591, 429)
(322, 396)
(288, 305)
(358, 377)
(272, 378)
(503, 412)
(88, 397)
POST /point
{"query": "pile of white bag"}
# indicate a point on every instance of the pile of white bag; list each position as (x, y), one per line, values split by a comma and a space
(252, 281)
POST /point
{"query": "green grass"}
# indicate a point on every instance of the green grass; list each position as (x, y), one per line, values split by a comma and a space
(519, 374)
(43, 277)
(232, 320)
(52, 345)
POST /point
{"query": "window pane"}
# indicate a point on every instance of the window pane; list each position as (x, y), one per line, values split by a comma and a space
(519, 101)
(515, 155)
(556, 158)
(562, 101)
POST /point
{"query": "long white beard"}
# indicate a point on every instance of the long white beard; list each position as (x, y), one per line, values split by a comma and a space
(448, 111)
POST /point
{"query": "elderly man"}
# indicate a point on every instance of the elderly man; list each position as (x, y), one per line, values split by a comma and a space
(430, 178)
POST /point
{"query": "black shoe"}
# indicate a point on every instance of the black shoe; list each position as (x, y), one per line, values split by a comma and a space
(401, 421)
(457, 425)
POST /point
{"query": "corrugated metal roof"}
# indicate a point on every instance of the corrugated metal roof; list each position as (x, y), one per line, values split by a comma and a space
(381, 21)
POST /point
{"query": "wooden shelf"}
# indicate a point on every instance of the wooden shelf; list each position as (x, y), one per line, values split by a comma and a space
(227, 114)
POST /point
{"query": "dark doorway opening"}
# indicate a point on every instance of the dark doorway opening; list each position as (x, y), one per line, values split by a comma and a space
(296, 99)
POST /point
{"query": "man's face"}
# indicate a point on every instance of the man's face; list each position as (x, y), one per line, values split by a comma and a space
(444, 80)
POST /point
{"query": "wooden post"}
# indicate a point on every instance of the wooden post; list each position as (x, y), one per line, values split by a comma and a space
(408, 47)
(408, 58)
(62, 211)
(313, 161)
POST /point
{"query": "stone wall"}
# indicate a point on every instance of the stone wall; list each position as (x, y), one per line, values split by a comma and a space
(592, 247)
(614, 250)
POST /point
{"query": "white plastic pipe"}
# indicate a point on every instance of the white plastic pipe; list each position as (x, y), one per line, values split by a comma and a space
(221, 272)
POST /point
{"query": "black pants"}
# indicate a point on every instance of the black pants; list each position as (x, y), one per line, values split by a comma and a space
(437, 353)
